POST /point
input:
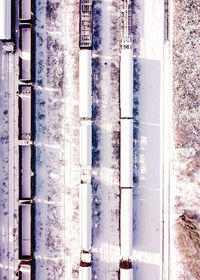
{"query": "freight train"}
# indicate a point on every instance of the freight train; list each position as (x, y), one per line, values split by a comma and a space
(85, 115)
(26, 137)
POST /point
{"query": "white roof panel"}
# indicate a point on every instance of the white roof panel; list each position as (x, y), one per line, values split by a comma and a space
(85, 84)
(126, 83)
(126, 225)
(86, 144)
(126, 274)
(126, 153)
(85, 215)
(25, 9)
(85, 273)
(25, 272)
(5, 19)
(26, 229)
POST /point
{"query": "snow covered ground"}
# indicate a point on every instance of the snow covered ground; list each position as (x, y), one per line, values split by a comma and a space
(148, 90)
(105, 250)
(4, 156)
(9, 164)
(57, 140)
(184, 191)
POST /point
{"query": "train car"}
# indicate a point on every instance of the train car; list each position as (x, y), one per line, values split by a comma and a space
(26, 10)
(5, 20)
(126, 222)
(85, 269)
(126, 153)
(26, 231)
(85, 273)
(126, 270)
(85, 28)
(85, 144)
(85, 216)
(26, 112)
(126, 21)
(126, 83)
(85, 84)
(26, 58)
(86, 258)
(26, 270)
(26, 172)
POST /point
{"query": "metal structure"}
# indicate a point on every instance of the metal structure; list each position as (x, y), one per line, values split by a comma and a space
(85, 32)
(126, 23)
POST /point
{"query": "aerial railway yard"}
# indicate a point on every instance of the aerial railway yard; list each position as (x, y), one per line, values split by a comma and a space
(73, 130)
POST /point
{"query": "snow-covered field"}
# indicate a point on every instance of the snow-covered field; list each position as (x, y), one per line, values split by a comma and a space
(57, 140)
(148, 90)
(185, 192)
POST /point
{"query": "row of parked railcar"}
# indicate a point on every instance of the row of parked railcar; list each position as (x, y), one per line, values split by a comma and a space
(26, 108)
(85, 114)
(126, 134)
(25, 270)
(26, 57)
(7, 16)
(85, 28)
(126, 142)
(26, 138)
